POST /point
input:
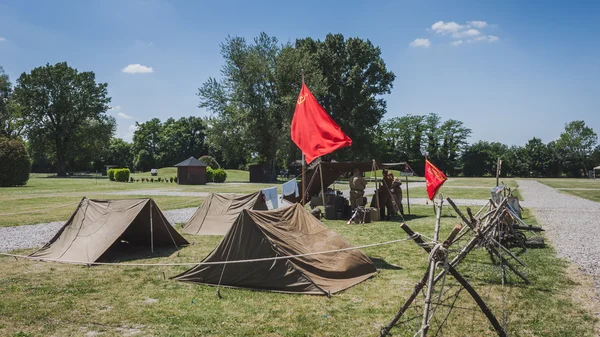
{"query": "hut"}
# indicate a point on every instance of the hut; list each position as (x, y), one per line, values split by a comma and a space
(191, 172)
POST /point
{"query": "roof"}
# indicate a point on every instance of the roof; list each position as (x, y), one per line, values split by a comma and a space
(191, 161)
(597, 168)
(289, 231)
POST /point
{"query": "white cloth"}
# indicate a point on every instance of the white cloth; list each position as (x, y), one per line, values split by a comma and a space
(271, 195)
(290, 187)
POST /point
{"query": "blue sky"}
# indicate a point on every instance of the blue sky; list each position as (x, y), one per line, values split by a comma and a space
(522, 68)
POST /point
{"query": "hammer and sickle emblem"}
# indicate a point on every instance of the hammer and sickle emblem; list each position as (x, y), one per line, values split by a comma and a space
(301, 99)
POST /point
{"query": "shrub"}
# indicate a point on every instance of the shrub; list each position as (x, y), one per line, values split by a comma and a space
(219, 175)
(15, 164)
(175, 179)
(111, 174)
(131, 180)
(151, 180)
(159, 179)
(122, 175)
(171, 179)
(210, 161)
(210, 174)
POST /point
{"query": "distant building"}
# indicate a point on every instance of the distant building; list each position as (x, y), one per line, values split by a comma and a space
(191, 172)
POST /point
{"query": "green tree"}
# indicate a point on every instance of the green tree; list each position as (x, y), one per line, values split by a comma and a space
(180, 139)
(354, 79)
(15, 164)
(575, 146)
(481, 158)
(57, 101)
(11, 124)
(119, 153)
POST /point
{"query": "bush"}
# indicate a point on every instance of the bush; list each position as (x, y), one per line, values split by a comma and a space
(171, 179)
(219, 175)
(131, 180)
(159, 179)
(111, 174)
(175, 179)
(210, 161)
(15, 164)
(210, 175)
(122, 175)
(151, 180)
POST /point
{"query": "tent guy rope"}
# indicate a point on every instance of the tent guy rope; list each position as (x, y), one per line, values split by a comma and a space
(412, 237)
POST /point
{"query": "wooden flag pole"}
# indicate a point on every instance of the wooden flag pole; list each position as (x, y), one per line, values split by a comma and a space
(303, 161)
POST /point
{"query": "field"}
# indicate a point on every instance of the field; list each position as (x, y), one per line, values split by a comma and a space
(584, 188)
(43, 299)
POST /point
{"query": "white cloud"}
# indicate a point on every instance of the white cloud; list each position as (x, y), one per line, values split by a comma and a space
(478, 24)
(144, 43)
(466, 33)
(488, 38)
(425, 43)
(137, 69)
(124, 116)
(2, 39)
(457, 42)
(444, 28)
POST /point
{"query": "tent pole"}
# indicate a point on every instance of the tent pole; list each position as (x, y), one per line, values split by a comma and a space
(151, 230)
(407, 196)
(303, 179)
(376, 188)
(322, 187)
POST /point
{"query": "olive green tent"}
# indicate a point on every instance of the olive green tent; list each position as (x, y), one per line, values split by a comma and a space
(282, 232)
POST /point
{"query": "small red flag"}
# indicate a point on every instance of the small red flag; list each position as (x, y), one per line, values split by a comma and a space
(434, 179)
(313, 131)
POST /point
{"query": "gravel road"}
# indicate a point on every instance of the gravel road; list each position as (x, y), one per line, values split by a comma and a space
(571, 223)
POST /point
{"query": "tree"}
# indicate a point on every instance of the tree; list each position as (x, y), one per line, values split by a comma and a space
(57, 101)
(481, 158)
(119, 153)
(576, 145)
(11, 124)
(354, 79)
(15, 164)
(180, 139)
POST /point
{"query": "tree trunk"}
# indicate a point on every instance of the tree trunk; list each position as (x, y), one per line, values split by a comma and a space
(60, 159)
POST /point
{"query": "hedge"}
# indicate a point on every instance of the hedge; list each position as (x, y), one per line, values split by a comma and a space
(219, 175)
(122, 175)
(15, 164)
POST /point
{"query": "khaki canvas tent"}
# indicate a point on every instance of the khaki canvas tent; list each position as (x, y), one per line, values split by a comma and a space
(99, 226)
(282, 232)
(218, 212)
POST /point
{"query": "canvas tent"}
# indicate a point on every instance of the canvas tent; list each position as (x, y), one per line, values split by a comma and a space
(218, 212)
(99, 226)
(282, 232)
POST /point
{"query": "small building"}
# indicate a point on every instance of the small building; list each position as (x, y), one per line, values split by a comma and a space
(191, 172)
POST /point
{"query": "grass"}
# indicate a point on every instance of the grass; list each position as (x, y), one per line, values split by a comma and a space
(584, 188)
(57, 299)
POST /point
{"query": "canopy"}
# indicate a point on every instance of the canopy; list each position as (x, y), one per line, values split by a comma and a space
(98, 226)
(597, 168)
(219, 211)
(282, 232)
(332, 171)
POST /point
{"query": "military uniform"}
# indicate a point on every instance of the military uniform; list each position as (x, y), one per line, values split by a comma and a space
(357, 190)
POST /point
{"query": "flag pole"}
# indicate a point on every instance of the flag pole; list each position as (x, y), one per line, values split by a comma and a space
(303, 161)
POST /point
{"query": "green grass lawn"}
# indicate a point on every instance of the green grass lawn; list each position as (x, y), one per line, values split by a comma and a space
(43, 299)
(168, 172)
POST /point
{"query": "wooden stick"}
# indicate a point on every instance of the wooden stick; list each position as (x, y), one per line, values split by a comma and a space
(322, 187)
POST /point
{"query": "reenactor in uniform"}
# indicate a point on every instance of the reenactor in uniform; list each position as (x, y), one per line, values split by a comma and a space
(397, 193)
(385, 196)
(357, 189)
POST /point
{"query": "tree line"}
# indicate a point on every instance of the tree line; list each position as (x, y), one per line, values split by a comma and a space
(61, 114)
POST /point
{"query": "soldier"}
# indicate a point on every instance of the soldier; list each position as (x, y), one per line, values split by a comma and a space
(357, 189)
(397, 193)
(385, 196)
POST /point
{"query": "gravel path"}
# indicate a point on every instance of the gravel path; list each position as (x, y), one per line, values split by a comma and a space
(572, 223)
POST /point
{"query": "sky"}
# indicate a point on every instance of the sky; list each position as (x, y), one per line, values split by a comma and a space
(510, 70)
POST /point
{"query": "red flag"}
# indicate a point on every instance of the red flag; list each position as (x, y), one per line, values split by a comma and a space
(434, 179)
(314, 132)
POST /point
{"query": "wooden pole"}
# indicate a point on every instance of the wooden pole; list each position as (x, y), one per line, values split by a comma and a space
(303, 180)
(498, 172)
(430, 282)
(407, 196)
(376, 189)
(322, 186)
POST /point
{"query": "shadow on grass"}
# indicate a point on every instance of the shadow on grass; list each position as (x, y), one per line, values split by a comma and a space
(382, 264)
(124, 252)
